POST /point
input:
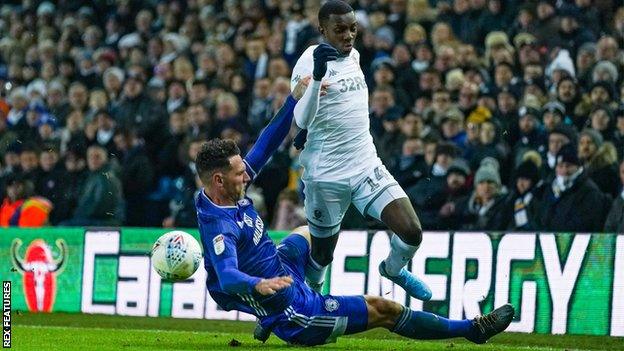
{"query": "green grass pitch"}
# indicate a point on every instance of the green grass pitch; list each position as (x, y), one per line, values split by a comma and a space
(97, 332)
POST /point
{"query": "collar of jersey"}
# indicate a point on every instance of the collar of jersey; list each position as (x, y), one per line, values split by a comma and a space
(213, 204)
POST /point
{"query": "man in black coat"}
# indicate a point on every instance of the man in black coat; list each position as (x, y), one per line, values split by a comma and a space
(572, 202)
(74, 176)
(427, 195)
(137, 175)
(137, 111)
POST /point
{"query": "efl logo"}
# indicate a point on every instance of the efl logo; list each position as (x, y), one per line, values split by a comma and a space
(6, 314)
(39, 270)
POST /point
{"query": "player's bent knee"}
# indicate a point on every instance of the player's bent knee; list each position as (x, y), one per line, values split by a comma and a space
(303, 231)
(413, 235)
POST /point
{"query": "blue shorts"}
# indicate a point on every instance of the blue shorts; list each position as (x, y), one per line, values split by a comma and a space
(312, 318)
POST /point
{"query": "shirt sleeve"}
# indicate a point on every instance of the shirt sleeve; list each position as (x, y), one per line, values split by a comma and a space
(303, 68)
(270, 138)
(221, 250)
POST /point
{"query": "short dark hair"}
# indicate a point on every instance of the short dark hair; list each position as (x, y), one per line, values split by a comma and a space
(333, 7)
(215, 154)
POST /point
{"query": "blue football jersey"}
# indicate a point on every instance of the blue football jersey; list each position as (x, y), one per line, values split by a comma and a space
(239, 231)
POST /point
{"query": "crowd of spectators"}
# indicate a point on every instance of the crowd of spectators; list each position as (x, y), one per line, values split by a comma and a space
(492, 114)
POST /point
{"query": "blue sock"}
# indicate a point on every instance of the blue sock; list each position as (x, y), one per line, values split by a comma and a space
(425, 325)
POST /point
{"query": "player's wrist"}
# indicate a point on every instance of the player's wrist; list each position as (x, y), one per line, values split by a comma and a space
(255, 284)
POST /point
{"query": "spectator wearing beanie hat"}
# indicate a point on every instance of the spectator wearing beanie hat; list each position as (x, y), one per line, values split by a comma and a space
(553, 113)
(530, 135)
(599, 160)
(523, 203)
(572, 202)
(561, 135)
(483, 208)
(424, 191)
(457, 188)
(442, 204)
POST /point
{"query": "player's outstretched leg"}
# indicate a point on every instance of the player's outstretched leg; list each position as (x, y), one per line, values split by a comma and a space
(321, 254)
(427, 326)
(400, 217)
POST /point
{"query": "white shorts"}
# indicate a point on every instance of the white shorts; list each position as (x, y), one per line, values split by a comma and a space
(327, 202)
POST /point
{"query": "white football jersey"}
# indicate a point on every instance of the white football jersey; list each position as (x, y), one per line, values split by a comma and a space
(339, 144)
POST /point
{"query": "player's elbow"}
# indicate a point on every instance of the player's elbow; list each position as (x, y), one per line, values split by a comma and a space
(233, 288)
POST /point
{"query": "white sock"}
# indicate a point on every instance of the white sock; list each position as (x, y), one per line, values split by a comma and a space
(400, 254)
(314, 272)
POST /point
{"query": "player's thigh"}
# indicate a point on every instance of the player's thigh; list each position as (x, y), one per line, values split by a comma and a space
(325, 318)
(325, 206)
(376, 190)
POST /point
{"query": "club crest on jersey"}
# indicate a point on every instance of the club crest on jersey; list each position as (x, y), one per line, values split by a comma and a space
(331, 305)
(218, 242)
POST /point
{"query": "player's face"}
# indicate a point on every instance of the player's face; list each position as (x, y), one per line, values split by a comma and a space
(235, 179)
(340, 31)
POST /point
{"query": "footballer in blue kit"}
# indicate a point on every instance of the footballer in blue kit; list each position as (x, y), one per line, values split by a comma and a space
(248, 272)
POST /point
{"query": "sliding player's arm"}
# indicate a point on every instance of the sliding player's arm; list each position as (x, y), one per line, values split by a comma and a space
(222, 252)
(274, 133)
(270, 138)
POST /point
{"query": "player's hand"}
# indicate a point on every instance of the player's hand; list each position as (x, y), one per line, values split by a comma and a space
(322, 54)
(302, 85)
(273, 285)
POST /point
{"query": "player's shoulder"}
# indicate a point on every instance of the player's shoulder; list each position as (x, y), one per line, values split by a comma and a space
(308, 55)
(211, 226)
(309, 51)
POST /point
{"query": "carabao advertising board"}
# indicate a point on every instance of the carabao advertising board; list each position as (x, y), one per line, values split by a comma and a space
(559, 283)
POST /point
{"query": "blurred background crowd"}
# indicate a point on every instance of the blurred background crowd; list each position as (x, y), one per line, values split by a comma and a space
(492, 114)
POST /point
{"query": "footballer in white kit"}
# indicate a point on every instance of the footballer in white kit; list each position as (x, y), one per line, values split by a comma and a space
(340, 161)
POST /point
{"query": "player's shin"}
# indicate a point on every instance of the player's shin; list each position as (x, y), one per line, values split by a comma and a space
(315, 274)
(424, 325)
(400, 254)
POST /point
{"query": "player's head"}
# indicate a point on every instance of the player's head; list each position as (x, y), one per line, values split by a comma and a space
(338, 25)
(221, 168)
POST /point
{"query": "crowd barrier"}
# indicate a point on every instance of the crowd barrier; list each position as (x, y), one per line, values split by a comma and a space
(560, 283)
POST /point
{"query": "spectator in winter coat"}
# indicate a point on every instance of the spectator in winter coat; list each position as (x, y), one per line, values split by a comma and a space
(522, 204)
(457, 188)
(100, 202)
(483, 208)
(74, 176)
(572, 202)
(599, 159)
(137, 175)
(426, 194)
(558, 137)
